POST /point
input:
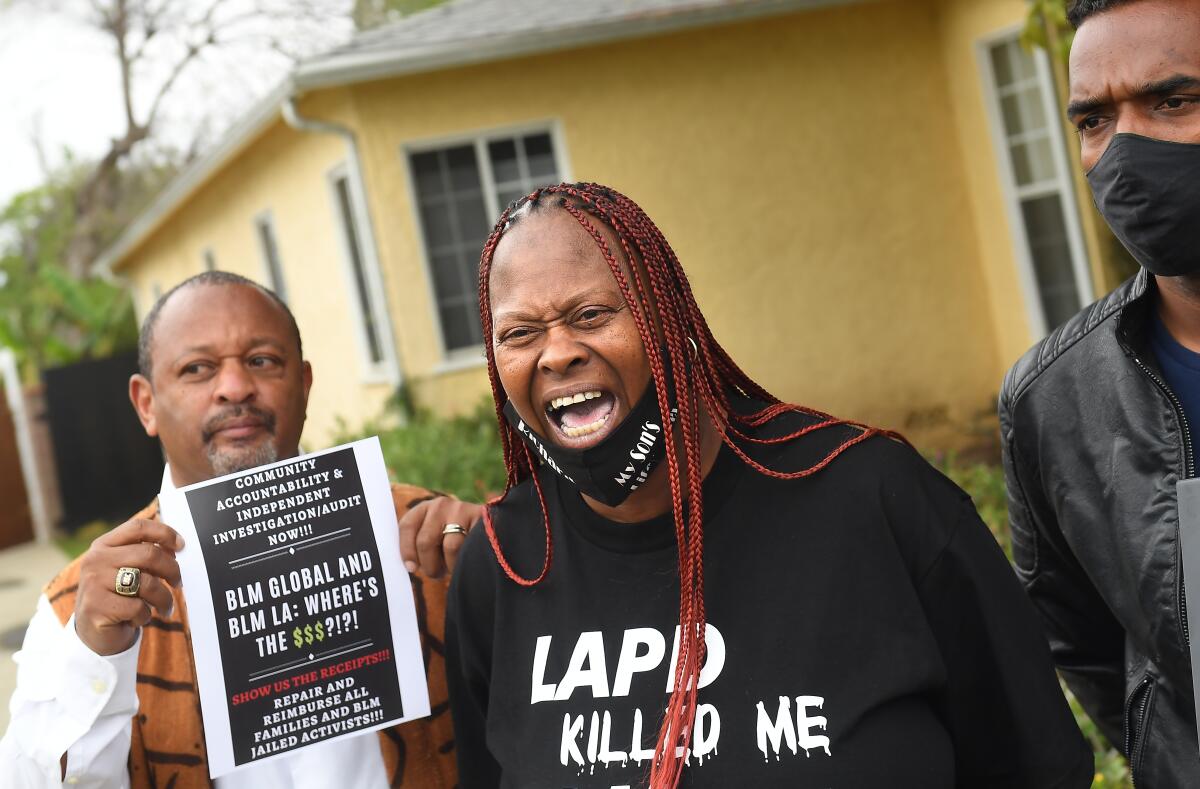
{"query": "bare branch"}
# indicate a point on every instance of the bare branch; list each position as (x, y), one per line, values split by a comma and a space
(119, 26)
(155, 44)
(167, 84)
(37, 139)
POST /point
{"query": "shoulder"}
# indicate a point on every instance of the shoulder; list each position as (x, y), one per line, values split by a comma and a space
(1068, 340)
(906, 483)
(878, 488)
(516, 525)
(405, 497)
(887, 497)
(520, 511)
(879, 466)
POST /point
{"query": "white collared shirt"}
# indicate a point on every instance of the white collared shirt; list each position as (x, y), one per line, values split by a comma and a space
(70, 700)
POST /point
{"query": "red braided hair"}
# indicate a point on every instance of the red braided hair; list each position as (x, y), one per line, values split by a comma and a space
(658, 288)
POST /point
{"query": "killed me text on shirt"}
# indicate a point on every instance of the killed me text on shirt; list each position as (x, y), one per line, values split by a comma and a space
(786, 726)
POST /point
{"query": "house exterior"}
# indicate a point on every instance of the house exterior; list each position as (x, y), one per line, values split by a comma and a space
(876, 201)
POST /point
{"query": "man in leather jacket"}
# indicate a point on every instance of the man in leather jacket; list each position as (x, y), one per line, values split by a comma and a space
(1095, 418)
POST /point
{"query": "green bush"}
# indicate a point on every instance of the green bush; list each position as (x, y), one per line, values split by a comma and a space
(985, 483)
(459, 455)
(76, 543)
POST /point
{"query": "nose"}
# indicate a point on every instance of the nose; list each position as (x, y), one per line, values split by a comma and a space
(561, 351)
(234, 384)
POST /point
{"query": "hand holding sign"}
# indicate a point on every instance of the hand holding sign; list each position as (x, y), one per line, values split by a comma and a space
(107, 622)
(302, 617)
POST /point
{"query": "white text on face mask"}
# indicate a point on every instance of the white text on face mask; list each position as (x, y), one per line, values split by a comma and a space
(640, 452)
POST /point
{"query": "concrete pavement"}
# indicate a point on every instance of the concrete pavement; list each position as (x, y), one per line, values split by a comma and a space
(24, 570)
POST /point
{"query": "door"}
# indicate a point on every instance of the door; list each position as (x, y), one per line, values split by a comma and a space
(16, 519)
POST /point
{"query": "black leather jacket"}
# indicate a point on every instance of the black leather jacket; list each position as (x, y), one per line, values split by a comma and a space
(1094, 442)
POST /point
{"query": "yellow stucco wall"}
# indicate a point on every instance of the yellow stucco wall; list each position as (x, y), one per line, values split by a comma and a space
(806, 169)
(284, 173)
(826, 178)
(962, 25)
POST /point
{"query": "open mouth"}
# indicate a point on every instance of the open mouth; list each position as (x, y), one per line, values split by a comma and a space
(581, 414)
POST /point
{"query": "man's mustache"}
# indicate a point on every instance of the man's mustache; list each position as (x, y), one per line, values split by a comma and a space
(218, 421)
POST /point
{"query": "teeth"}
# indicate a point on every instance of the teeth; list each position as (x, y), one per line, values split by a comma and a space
(559, 402)
(583, 430)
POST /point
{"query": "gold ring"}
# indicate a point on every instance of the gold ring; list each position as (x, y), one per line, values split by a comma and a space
(129, 581)
(453, 528)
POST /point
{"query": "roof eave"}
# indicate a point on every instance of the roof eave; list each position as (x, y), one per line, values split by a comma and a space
(353, 68)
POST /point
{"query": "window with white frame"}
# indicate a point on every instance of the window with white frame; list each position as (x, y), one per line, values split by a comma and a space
(353, 245)
(270, 252)
(1042, 194)
(460, 189)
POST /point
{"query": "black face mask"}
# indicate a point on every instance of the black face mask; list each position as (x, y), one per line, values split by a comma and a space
(1149, 193)
(618, 465)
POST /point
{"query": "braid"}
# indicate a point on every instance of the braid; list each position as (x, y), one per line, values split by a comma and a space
(666, 315)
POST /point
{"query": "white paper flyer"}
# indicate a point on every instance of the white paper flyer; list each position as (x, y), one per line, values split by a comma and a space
(302, 617)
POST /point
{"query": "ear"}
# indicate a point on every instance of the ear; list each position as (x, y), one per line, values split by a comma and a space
(306, 375)
(141, 394)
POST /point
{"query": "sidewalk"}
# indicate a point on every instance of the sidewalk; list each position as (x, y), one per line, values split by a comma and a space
(24, 569)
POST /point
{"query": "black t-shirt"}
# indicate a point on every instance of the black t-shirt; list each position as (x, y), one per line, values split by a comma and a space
(864, 630)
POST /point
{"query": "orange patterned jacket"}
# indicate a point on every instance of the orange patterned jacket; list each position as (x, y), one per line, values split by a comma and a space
(167, 747)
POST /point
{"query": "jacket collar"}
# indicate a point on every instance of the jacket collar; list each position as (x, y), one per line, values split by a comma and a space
(1133, 324)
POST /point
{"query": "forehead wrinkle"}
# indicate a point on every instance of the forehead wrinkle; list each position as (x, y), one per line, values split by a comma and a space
(175, 318)
(556, 305)
(1120, 36)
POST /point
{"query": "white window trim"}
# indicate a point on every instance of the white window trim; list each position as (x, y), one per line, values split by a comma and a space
(1064, 184)
(472, 356)
(267, 217)
(462, 359)
(385, 371)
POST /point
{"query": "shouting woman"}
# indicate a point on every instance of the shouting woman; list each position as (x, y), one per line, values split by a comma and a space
(689, 582)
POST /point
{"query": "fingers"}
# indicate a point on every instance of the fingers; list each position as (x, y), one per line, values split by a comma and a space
(466, 515)
(423, 545)
(451, 545)
(106, 621)
(429, 544)
(410, 524)
(157, 594)
(142, 530)
(150, 559)
(141, 615)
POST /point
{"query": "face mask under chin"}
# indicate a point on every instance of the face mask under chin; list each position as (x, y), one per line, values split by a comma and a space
(1146, 190)
(613, 469)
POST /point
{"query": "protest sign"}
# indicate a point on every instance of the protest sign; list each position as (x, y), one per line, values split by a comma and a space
(302, 616)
